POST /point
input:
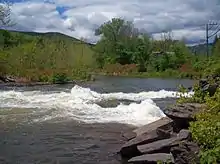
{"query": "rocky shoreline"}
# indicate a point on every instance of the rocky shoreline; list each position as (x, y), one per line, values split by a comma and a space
(167, 140)
(21, 82)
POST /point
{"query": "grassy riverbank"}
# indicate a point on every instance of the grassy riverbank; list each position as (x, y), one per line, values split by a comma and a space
(166, 74)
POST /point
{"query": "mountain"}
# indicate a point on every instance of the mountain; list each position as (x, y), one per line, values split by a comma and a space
(50, 35)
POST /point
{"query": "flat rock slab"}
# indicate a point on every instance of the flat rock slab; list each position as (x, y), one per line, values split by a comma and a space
(160, 129)
(182, 114)
(129, 135)
(152, 159)
(163, 123)
(129, 149)
(183, 111)
(164, 146)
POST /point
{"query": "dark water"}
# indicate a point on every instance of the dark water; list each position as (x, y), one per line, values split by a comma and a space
(72, 142)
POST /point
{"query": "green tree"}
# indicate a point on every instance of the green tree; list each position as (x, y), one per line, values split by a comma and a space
(121, 43)
(142, 53)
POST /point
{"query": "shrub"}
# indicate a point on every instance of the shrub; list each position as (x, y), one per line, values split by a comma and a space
(60, 78)
(206, 129)
(119, 69)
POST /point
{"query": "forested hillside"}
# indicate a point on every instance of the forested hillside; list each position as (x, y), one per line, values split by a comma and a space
(38, 56)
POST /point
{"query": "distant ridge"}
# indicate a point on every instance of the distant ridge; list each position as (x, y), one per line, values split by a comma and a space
(200, 48)
(49, 34)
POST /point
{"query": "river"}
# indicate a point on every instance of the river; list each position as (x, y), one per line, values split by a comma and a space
(78, 124)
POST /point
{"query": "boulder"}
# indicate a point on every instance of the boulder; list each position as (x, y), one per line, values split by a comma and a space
(129, 149)
(186, 152)
(205, 85)
(152, 159)
(163, 123)
(210, 88)
(164, 146)
(203, 82)
(182, 114)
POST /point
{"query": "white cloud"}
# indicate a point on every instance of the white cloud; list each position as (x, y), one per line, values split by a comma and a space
(185, 18)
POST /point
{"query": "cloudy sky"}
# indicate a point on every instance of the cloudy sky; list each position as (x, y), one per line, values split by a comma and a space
(79, 18)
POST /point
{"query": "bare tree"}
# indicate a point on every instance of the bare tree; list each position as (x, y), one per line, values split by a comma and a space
(5, 14)
(166, 40)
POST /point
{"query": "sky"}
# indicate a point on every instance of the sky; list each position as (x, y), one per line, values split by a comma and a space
(80, 18)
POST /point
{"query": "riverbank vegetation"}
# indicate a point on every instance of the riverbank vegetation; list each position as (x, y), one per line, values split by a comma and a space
(206, 129)
(44, 57)
(122, 50)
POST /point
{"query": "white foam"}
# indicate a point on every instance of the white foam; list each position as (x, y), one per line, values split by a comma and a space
(81, 104)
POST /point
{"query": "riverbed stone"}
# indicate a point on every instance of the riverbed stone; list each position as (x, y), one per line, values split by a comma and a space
(164, 146)
(152, 158)
(182, 114)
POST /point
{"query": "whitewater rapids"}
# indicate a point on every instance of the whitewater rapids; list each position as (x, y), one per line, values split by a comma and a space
(81, 104)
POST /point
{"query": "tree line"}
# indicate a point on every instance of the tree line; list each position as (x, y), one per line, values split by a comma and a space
(122, 43)
(121, 47)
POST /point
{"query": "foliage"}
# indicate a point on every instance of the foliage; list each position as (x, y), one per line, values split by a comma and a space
(40, 57)
(206, 129)
(118, 69)
(199, 96)
(121, 43)
(122, 50)
(60, 78)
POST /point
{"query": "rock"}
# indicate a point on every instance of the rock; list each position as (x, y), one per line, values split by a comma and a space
(164, 146)
(2, 79)
(184, 134)
(160, 129)
(152, 159)
(112, 103)
(210, 88)
(203, 82)
(10, 79)
(7, 79)
(163, 123)
(129, 135)
(182, 114)
(190, 89)
(129, 149)
(186, 152)
(205, 85)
